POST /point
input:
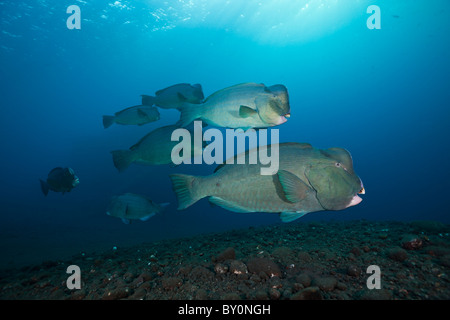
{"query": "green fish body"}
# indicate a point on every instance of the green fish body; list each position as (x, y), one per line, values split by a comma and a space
(130, 206)
(308, 180)
(174, 96)
(155, 148)
(247, 105)
(137, 115)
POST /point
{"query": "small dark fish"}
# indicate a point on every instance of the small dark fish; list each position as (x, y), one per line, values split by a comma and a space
(60, 180)
(174, 96)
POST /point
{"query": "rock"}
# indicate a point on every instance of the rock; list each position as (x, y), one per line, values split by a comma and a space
(325, 283)
(437, 251)
(376, 294)
(128, 277)
(275, 282)
(201, 274)
(138, 294)
(201, 294)
(144, 276)
(274, 294)
(118, 293)
(356, 251)
(284, 255)
(297, 287)
(304, 280)
(311, 293)
(353, 270)
(258, 265)
(304, 257)
(238, 267)
(341, 286)
(411, 242)
(228, 254)
(231, 296)
(397, 254)
(429, 226)
(78, 295)
(445, 260)
(260, 295)
(171, 283)
(220, 268)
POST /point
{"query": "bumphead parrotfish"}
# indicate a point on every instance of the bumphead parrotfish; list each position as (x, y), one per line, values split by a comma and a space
(308, 180)
(246, 105)
(174, 96)
(131, 206)
(60, 180)
(155, 148)
(137, 115)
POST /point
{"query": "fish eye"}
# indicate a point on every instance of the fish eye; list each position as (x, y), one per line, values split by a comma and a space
(337, 164)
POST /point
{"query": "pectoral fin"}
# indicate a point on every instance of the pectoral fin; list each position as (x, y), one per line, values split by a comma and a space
(291, 216)
(147, 217)
(181, 97)
(141, 113)
(227, 205)
(245, 112)
(294, 188)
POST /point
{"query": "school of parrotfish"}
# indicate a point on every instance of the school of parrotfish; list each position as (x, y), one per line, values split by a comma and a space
(307, 180)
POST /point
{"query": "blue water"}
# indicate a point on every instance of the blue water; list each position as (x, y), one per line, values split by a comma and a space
(382, 94)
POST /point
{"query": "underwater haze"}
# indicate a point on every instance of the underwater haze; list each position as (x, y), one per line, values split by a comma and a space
(382, 94)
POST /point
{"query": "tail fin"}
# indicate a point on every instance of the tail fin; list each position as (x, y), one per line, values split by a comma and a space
(108, 121)
(183, 186)
(189, 113)
(122, 159)
(44, 187)
(148, 100)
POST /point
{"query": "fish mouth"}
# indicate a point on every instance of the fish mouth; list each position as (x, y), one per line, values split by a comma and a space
(355, 200)
(76, 182)
(283, 119)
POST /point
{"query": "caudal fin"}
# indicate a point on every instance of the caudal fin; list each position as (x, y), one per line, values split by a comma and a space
(186, 194)
(148, 100)
(122, 159)
(108, 121)
(44, 187)
(189, 113)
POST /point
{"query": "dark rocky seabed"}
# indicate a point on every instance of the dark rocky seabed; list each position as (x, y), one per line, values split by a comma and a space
(317, 260)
